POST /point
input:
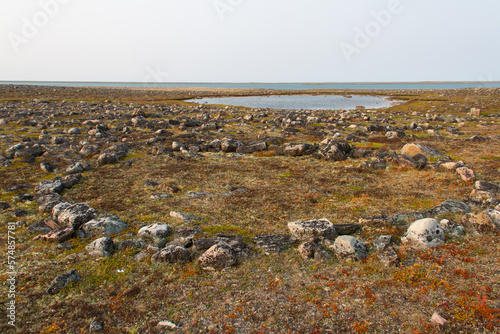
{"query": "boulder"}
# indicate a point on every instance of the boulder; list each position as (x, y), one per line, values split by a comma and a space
(349, 247)
(488, 186)
(156, 233)
(101, 247)
(172, 254)
(57, 209)
(296, 150)
(107, 158)
(62, 281)
(104, 226)
(486, 221)
(218, 257)
(307, 250)
(335, 150)
(414, 149)
(230, 145)
(76, 215)
(448, 206)
(47, 167)
(466, 174)
(425, 232)
(50, 186)
(311, 229)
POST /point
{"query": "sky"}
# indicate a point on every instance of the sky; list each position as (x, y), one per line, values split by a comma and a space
(156, 41)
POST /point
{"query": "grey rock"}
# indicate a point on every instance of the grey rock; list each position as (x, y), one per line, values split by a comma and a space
(414, 149)
(448, 206)
(104, 226)
(487, 186)
(484, 222)
(311, 229)
(47, 167)
(230, 145)
(452, 228)
(350, 247)
(63, 281)
(131, 244)
(346, 229)
(308, 249)
(76, 215)
(58, 208)
(154, 232)
(335, 150)
(160, 196)
(74, 131)
(75, 168)
(181, 216)
(425, 232)
(382, 242)
(101, 247)
(274, 243)
(172, 254)
(197, 194)
(296, 150)
(49, 186)
(107, 158)
(69, 181)
(96, 326)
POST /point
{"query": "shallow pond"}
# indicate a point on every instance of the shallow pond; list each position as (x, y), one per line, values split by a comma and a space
(311, 102)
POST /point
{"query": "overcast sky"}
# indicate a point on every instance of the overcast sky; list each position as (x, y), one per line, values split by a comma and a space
(249, 40)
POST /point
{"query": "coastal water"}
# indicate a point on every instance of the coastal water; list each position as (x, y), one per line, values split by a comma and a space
(281, 86)
(311, 102)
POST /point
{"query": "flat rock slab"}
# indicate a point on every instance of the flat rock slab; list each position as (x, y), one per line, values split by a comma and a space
(311, 229)
(62, 281)
(274, 243)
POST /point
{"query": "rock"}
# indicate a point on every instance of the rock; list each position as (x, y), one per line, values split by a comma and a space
(62, 281)
(172, 254)
(104, 226)
(414, 149)
(131, 243)
(484, 222)
(389, 257)
(59, 236)
(436, 319)
(448, 206)
(96, 326)
(69, 181)
(74, 131)
(155, 232)
(425, 232)
(76, 215)
(488, 186)
(375, 164)
(452, 228)
(451, 166)
(49, 186)
(24, 197)
(162, 325)
(181, 216)
(202, 244)
(346, 229)
(75, 168)
(335, 150)
(404, 161)
(295, 150)
(382, 242)
(58, 208)
(274, 243)
(160, 196)
(218, 257)
(197, 194)
(107, 158)
(88, 149)
(101, 247)
(307, 250)
(350, 247)
(176, 146)
(230, 145)
(311, 229)
(252, 147)
(48, 198)
(46, 167)
(39, 227)
(466, 174)
(395, 134)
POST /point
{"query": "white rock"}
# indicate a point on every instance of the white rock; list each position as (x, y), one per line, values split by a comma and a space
(310, 229)
(347, 246)
(104, 226)
(425, 232)
(154, 231)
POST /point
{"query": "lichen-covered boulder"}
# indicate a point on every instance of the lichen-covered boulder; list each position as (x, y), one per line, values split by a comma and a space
(101, 247)
(172, 254)
(349, 247)
(218, 257)
(104, 226)
(76, 215)
(425, 232)
(156, 233)
(311, 229)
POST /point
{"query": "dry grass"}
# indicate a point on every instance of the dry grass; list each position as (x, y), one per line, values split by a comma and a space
(264, 294)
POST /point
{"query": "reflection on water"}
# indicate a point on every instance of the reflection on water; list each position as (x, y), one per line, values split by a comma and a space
(311, 102)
